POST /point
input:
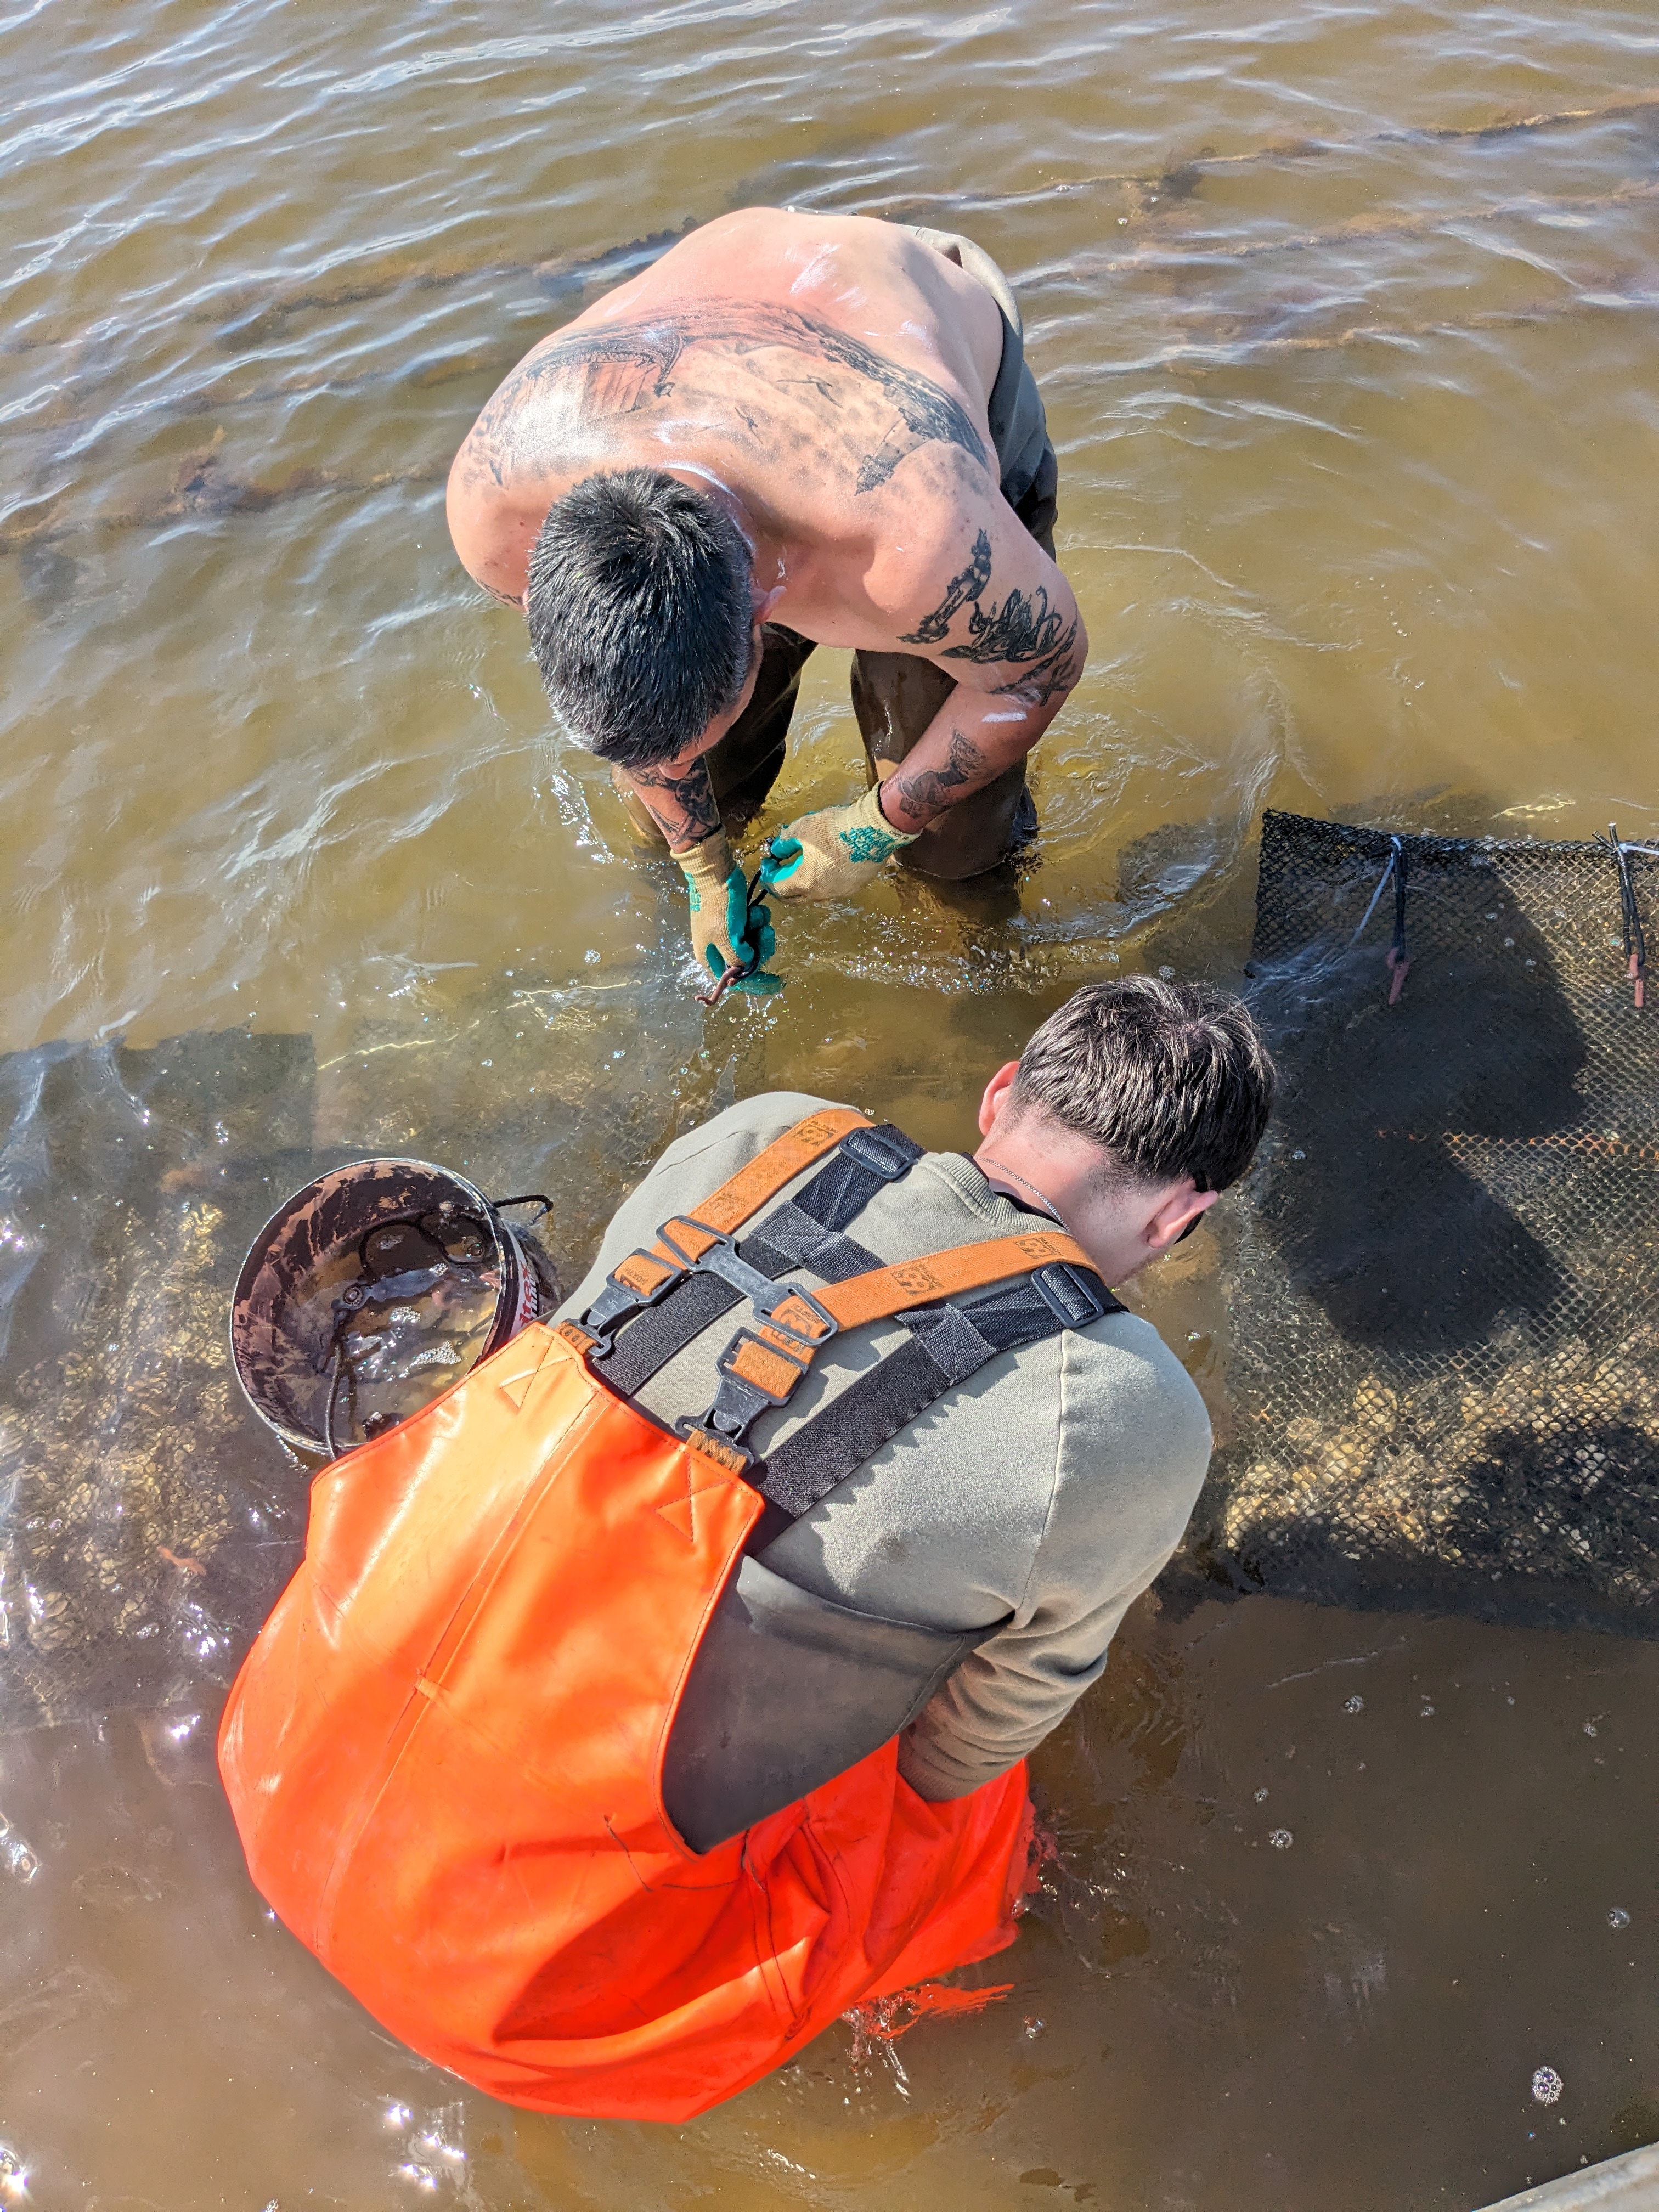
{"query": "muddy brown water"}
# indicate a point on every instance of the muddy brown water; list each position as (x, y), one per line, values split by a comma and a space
(1346, 321)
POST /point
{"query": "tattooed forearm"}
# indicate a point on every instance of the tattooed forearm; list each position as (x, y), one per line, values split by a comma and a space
(925, 792)
(958, 592)
(621, 369)
(684, 807)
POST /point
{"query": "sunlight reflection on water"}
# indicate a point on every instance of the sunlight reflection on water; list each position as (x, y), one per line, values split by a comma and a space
(1346, 324)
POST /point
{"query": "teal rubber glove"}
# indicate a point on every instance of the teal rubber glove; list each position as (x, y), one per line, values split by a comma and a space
(726, 931)
(834, 852)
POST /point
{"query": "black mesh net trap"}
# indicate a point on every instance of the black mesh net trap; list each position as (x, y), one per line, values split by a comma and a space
(1443, 1274)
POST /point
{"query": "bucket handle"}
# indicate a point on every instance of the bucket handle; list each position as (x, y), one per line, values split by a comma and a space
(526, 1197)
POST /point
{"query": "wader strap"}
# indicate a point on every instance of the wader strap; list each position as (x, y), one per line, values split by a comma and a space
(761, 1365)
(806, 1231)
(947, 1345)
(648, 1275)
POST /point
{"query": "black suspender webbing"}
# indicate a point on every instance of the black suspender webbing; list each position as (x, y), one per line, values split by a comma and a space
(947, 1343)
(804, 1231)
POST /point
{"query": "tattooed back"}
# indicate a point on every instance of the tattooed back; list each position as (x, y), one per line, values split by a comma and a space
(832, 372)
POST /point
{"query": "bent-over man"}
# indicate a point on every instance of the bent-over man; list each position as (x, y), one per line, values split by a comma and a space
(661, 1691)
(959, 1586)
(791, 430)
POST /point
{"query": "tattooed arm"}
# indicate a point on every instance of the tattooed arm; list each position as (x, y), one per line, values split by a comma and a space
(679, 799)
(1006, 625)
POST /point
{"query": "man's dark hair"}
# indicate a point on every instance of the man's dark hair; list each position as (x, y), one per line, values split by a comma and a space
(1170, 1079)
(639, 613)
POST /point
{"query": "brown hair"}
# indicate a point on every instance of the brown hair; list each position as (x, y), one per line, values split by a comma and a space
(1169, 1079)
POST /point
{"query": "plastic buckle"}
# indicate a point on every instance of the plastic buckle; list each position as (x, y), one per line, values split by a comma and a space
(729, 1452)
(784, 1306)
(620, 1300)
(799, 1315)
(767, 1363)
(691, 1253)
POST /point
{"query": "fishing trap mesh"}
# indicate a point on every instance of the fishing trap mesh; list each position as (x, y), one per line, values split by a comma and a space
(1444, 1272)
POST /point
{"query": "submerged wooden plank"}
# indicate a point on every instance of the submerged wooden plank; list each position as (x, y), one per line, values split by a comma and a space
(1629, 2184)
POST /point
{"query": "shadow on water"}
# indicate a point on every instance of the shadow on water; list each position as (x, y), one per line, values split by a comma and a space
(1381, 1224)
(147, 1519)
(1445, 1372)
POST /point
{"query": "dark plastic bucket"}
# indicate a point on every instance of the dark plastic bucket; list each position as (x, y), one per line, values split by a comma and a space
(388, 1229)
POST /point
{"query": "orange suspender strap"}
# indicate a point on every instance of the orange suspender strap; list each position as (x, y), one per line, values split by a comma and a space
(772, 1357)
(646, 1275)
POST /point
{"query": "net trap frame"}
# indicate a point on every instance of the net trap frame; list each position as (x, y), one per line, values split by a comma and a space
(1443, 1274)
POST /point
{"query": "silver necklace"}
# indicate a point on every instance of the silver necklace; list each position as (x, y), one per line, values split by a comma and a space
(1012, 1175)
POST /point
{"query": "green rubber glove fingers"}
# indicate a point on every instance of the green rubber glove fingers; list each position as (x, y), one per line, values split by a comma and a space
(780, 855)
(750, 932)
(725, 931)
(835, 853)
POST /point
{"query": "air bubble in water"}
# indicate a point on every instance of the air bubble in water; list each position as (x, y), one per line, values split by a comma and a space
(1619, 1918)
(1354, 1705)
(18, 1859)
(1281, 1839)
(1261, 1797)
(1547, 2085)
(435, 1355)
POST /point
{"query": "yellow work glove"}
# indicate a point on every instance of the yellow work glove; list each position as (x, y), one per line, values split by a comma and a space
(834, 854)
(726, 931)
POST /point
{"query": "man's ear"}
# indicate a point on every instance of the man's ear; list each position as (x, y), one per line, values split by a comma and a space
(764, 607)
(996, 1096)
(1174, 1215)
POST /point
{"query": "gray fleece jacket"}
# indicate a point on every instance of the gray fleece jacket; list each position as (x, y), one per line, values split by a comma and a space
(1027, 1507)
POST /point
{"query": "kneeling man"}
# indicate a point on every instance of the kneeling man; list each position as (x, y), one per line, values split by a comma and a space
(791, 430)
(663, 1689)
(956, 1585)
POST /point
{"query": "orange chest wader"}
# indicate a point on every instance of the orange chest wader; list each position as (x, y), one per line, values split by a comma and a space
(444, 1753)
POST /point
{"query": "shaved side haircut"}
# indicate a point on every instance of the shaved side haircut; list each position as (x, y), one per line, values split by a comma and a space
(1169, 1079)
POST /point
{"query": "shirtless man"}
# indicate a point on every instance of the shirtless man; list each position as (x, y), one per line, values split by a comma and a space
(791, 430)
